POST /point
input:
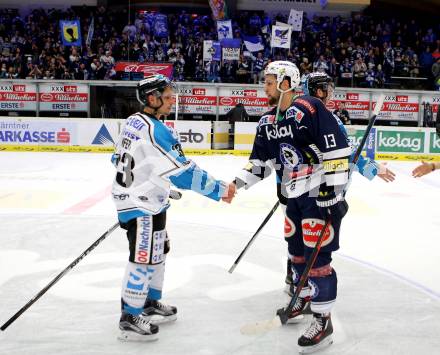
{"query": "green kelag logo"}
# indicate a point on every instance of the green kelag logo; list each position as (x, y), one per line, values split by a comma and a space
(355, 136)
(400, 142)
(434, 143)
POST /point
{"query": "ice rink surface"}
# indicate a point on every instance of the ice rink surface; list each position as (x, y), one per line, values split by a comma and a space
(54, 205)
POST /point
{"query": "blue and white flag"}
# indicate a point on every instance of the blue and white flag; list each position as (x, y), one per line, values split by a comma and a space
(160, 26)
(231, 48)
(90, 32)
(253, 43)
(296, 20)
(71, 33)
(281, 36)
(224, 29)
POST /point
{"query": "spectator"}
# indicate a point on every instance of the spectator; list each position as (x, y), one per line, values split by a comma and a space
(342, 113)
(359, 72)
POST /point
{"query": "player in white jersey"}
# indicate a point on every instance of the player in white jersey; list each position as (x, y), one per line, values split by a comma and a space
(148, 158)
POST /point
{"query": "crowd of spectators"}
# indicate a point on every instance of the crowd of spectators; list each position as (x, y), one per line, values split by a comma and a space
(358, 51)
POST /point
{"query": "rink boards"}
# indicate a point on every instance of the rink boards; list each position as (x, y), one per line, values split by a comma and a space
(197, 137)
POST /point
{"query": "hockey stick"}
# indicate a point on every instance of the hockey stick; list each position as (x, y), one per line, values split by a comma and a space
(283, 313)
(58, 277)
(254, 237)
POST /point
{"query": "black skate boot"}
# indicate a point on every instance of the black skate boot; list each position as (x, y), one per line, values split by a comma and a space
(301, 307)
(318, 335)
(136, 328)
(158, 313)
(306, 309)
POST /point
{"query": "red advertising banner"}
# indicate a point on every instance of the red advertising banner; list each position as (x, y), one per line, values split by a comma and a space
(63, 97)
(146, 68)
(18, 96)
(197, 100)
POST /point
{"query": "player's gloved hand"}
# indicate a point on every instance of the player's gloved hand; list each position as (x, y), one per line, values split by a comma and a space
(330, 207)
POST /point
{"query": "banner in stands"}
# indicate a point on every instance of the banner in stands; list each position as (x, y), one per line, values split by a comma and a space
(146, 68)
(254, 100)
(193, 134)
(356, 103)
(63, 97)
(18, 96)
(399, 107)
(197, 100)
(433, 100)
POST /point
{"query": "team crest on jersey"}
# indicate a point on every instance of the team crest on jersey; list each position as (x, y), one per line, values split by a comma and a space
(290, 156)
(314, 290)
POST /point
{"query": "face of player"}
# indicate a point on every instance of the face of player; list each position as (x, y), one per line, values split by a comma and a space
(168, 98)
(162, 103)
(325, 97)
(270, 89)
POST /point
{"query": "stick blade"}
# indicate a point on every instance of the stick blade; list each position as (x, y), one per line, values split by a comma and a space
(261, 327)
(379, 104)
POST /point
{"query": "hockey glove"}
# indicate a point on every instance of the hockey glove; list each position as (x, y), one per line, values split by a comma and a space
(332, 206)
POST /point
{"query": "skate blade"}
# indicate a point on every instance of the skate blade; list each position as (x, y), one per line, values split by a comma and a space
(156, 320)
(261, 327)
(296, 320)
(311, 349)
(132, 336)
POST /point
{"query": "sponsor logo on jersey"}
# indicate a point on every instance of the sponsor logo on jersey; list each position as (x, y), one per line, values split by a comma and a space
(103, 136)
(266, 119)
(276, 132)
(144, 240)
(289, 227)
(290, 156)
(295, 113)
(335, 165)
(135, 123)
(312, 227)
(307, 105)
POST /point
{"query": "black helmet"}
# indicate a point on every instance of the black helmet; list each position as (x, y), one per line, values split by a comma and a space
(314, 81)
(152, 84)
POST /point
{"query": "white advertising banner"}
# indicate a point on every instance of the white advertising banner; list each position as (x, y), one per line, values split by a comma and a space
(254, 100)
(356, 103)
(244, 135)
(17, 96)
(398, 107)
(58, 132)
(197, 100)
(38, 132)
(63, 97)
(193, 134)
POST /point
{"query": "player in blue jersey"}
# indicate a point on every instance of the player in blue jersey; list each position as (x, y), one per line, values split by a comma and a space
(320, 85)
(148, 158)
(302, 141)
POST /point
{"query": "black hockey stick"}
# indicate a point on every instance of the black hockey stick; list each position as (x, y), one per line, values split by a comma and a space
(58, 277)
(254, 236)
(283, 313)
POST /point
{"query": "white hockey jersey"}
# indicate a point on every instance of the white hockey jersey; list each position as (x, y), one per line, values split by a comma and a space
(148, 156)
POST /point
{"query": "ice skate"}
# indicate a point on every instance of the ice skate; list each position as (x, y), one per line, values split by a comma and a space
(317, 336)
(159, 313)
(136, 328)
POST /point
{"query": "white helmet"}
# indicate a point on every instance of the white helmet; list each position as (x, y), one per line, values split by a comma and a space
(282, 70)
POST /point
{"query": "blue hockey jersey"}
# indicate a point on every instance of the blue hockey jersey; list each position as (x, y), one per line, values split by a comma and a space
(306, 148)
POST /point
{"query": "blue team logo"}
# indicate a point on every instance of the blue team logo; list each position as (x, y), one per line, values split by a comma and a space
(290, 156)
(103, 136)
(314, 290)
